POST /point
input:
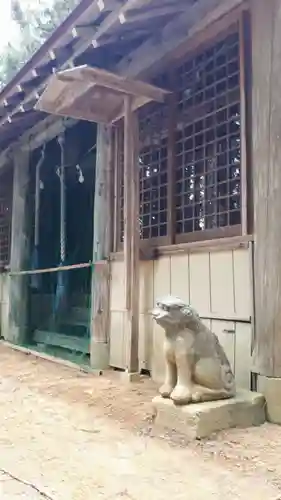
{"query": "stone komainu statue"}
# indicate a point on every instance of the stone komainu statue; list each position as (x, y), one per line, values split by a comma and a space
(197, 368)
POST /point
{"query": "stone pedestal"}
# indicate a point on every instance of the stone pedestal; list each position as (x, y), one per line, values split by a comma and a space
(198, 421)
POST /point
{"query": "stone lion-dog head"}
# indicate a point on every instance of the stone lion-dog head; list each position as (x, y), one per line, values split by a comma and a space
(171, 311)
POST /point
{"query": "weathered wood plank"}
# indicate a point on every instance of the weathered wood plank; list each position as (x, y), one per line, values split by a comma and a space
(149, 56)
(128, 160)
(244, 98)
(131, 234)
(101, 250)
(20, 242)
(272, 248)
(135, 249)
(266, 155)
(100, 312)
(243, 343)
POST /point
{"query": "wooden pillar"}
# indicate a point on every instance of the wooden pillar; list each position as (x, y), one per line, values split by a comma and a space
(18, 287)
(266, 160)
(100, 302)
(131, 235)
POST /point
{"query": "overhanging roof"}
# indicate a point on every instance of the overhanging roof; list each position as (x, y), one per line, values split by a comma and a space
(95, 95)
(98, 32)
(107, 34)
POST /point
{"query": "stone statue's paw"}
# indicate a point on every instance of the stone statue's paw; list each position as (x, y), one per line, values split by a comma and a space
(166, 390)
(181, 395)
(196, 397)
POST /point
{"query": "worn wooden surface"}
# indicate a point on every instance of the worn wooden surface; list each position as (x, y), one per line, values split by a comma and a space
(244, 118)
(102, 243)
(133, 358)
(131, 236)
(100, 314)
(266, 25)
(179, 36)
(128, 160)
(267, 185)
(218, 284)
(20, 243)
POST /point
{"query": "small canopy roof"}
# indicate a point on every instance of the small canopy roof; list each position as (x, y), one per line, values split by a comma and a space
(95, 95)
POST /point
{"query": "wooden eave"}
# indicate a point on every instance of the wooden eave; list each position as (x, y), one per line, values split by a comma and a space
(94, 95)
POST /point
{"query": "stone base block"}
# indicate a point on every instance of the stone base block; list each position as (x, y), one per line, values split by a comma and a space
(99, 355)
(271, 389)
(130, 377)
(198, 421)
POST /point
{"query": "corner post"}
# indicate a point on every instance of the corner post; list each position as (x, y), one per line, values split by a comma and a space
(131, 235)
(266, 154)
(18, 286)
(100, 292)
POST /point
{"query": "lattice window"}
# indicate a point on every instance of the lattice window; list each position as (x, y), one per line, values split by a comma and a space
(190, 168)
(153, 170)
(6, 196)
(153, 161)
(207, 163)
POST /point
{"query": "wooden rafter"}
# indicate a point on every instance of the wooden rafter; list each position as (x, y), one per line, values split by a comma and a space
(194, 20)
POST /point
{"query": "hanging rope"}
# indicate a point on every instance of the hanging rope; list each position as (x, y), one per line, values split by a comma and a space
(35, 281)
(37, 195)
(61, 141)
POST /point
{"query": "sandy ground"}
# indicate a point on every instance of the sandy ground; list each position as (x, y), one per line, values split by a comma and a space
(73, 436)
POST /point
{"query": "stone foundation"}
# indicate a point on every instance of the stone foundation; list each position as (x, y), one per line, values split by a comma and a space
(198, 421)
(271, 389)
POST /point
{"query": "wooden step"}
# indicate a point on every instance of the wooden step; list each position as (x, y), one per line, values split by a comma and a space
(56, 339)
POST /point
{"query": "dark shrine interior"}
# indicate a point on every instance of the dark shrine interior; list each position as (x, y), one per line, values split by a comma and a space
(80, 159)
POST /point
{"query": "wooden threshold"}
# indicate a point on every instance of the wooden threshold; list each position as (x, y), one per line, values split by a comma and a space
(52, 359)
(219, 245)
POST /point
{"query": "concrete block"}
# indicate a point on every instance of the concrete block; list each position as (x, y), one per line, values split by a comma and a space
(130, 377)
(200, 420)
(271, 389)
(99, 355)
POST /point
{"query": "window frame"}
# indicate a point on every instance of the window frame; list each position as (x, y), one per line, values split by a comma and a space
(233, 22)
(7, 175)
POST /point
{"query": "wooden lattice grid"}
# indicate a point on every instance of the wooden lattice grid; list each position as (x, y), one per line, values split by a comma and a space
(207, 163)
(204, 145)
(6, 198)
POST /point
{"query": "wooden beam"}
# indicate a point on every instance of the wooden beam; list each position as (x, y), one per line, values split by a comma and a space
(100, 293)
(46, 129)
(131, 237)
(109, 22)
(127, 196)
(18, 286)
(86, 31)
(94, 94)
(47, 132)
(245, 99)
(155, 12)
(266, 153)
(133, 344)
(149, 56)
(118, 147)
(114, 82)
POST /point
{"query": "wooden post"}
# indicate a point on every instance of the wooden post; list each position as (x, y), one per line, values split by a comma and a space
(131, 235)
(18, 287)
(266, 155)
(100, 302)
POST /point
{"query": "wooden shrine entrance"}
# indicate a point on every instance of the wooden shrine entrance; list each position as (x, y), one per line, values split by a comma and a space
(98, 96)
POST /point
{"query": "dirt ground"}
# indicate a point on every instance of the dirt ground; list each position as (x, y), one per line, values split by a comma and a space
(73, 436)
